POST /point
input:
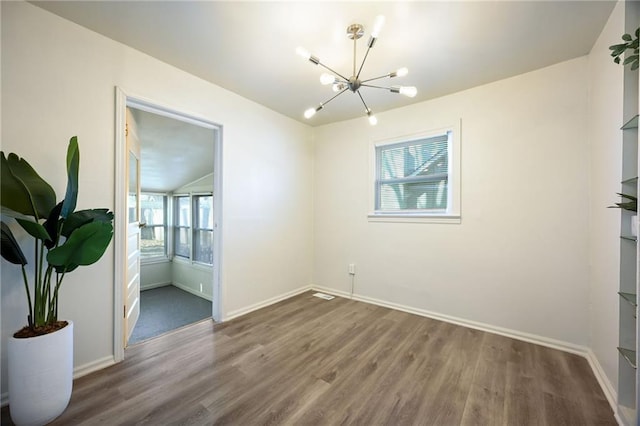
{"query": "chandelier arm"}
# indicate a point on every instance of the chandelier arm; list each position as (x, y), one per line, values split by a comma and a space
(335, 96)
(376, 87)
(333, 71)
(362, 64)
(377, 78)
(366, 108)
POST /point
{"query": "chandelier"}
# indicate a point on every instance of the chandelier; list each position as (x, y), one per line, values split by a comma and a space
(341, 84)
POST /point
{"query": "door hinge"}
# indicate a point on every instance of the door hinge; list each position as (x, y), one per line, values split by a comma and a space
(126, 129)
(124, 311)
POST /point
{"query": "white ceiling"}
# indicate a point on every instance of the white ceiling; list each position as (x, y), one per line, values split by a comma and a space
(249, 47)
(173, 153)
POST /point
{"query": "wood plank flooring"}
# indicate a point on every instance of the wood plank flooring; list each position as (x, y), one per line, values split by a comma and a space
(308, 361)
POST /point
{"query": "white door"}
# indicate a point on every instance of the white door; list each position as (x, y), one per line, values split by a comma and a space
(132, 272)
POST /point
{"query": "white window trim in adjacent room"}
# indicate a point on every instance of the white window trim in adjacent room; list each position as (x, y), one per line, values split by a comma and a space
(452, 213)
(166, 256)
(174, 225)
(195, 229)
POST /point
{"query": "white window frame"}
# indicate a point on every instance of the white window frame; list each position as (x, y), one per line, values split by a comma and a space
(195, 229)
(192, 228)
(452, 213)
(175, 226)
(167, 251)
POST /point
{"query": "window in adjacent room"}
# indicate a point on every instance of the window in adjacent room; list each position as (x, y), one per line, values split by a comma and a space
(182, 226)
(417, 178)
(153, 211)
(203, 229)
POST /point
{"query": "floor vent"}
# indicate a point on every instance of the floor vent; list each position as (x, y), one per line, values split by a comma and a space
(323, 296)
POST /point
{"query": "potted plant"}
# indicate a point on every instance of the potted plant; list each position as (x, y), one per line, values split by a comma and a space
(40, 355)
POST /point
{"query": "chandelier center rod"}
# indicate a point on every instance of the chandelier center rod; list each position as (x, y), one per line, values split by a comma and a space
(354, 32)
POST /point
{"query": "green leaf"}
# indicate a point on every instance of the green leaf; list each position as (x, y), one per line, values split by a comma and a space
(630, 59)
(626, 37)
(10, 250)
(73, 164)
(81, 217)
(85, 246)
(34, 229)
(616, 60)
(52, 225)
(23, 190)
(634, 66)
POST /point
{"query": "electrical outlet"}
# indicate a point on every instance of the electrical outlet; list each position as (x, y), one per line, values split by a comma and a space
(352, 269)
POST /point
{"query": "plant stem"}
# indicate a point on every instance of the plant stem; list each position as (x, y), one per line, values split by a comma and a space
(37, 297)
(59, 278)
(26, 287)
(47, 308)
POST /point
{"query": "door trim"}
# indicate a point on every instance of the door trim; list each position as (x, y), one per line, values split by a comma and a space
(124, 100)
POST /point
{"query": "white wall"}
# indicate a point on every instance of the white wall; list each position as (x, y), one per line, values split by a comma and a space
(605, 139)
(58, 80)
(190, 276)
(155, 274)
(519, 259)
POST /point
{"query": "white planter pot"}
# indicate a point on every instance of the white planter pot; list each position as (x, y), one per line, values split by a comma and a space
(40, 376)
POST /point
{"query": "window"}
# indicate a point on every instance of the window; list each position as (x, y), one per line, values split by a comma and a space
(182, 226)
(153, 209)
(193, 227)
(417, 178)
(203, 229)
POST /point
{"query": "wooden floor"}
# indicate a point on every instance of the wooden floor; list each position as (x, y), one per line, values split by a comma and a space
(308, 361)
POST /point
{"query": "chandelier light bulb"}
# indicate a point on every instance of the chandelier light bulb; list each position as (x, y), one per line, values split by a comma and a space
(337, 87)
(377, 26)
(327, 79)
(309, 113)
(303, 53)
(402, 72)
(409, 91)
(372, 119)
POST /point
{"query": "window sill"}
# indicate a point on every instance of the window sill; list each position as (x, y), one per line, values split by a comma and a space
(152, 260)
(195, 264)
(414, 218)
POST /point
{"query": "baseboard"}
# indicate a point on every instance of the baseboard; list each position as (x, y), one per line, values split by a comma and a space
(583, 351)
(243, 311)
(192, 291)
(609, 392)
(153, 285)
(514, 334)
(90, 367)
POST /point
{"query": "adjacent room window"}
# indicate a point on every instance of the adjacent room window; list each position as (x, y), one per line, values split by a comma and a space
(413, 178)
(153, 212)
(203, 229)
(182, 226)
(193, 227)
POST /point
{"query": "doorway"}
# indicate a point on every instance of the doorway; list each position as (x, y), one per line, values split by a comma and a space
(178, 209)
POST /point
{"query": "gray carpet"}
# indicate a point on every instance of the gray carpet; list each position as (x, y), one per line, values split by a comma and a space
(166, 308)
